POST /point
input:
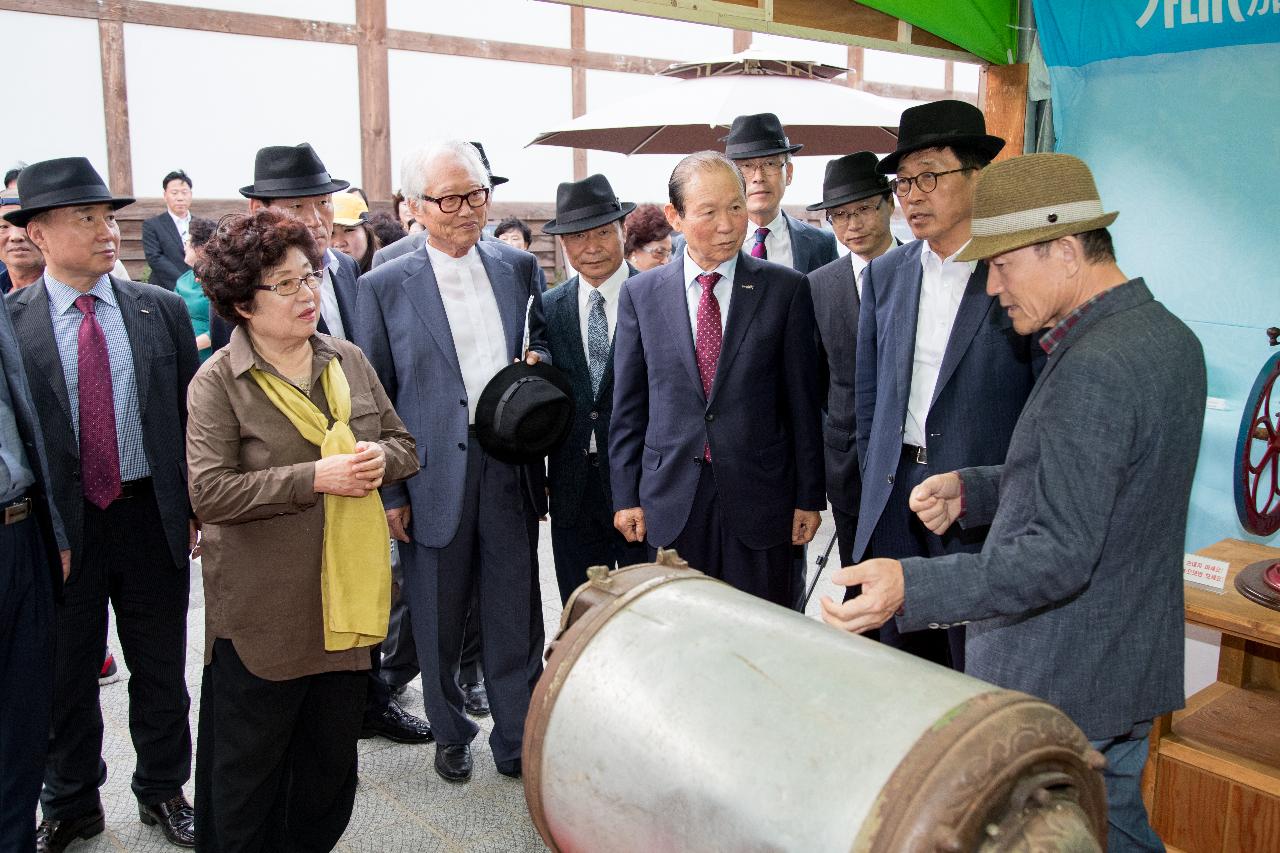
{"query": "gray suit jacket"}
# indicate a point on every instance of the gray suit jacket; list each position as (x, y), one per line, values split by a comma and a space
(1077, 594)
(164, 359)
(402, 327)
(163, 247)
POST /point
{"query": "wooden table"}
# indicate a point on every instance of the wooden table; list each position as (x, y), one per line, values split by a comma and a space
(1213, 779)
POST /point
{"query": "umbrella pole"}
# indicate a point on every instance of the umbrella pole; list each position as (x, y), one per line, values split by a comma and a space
(822, 564)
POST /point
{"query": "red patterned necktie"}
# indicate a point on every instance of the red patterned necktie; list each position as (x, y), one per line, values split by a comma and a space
(99, 456)
(757, 249)
(707, 345)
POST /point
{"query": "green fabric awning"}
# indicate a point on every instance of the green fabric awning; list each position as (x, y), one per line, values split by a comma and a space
(985, 28)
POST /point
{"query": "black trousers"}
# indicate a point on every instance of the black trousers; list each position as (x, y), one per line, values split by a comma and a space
(592, 540)
(708, 546)
(846, 529)
(275, 760)
(126, 561)
(490, 551)
(26, 679)
(900, 534)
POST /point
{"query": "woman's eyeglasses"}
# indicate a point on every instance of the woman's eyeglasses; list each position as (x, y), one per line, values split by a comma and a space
(290, 286)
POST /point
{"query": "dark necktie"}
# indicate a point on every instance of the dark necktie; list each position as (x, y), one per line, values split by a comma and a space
(707, 345)
(597, 340)
(99, 456)
(757, 249)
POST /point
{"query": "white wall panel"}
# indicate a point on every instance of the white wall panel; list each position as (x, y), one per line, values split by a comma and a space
(640, 35)
(523, 21)
(339, 11)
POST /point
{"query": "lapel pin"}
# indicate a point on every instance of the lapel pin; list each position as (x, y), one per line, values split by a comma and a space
(144, 310)
(748, 287)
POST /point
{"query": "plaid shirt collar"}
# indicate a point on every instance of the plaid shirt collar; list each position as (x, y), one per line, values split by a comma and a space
(1050, 340)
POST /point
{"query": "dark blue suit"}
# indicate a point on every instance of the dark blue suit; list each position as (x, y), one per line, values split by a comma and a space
(582, 532)
(810, 247)
(471, 514)
(762, 422)
(987, 371)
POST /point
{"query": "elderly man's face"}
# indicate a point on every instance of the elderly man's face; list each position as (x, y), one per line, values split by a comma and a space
(714, 222)
(315, 211)
(1031, 283)
(457, 232)
(16, 249)
(942, 216)
(767, 179)
(177, 197)
(595, 253)
(80, 243)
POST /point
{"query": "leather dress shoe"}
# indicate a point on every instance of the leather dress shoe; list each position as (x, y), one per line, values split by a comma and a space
(453, 762)
(510, 768)
(396, 725)
(176, 818)
(475, 700)
(54, 836)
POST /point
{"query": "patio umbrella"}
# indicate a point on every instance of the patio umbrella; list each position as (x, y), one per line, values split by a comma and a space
(693, 113)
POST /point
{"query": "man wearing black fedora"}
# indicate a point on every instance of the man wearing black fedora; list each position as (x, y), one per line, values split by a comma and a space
(759, 147)
(582, 315)
(941, 375)
(858, 204)
(108, 362)
(439, 324)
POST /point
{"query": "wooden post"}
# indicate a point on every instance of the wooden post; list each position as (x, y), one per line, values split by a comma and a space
(375, 99)
(578, 80)
(115, 106)
(741, 40)
(857, 67)
(1003, 98)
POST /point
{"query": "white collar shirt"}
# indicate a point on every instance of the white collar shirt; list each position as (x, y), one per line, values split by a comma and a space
(942, 286)
(474, 319)
(693, 291)
(183, 225)
(329, 297)
(777, 245)
(859, 267)
(609, 290)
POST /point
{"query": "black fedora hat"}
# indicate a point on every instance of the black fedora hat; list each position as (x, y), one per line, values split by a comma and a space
(524, 412)
(757, 136)
(64, 182)
(290, 171)
(939, 124)
(494, 180)
(586, 204)
(852, 177)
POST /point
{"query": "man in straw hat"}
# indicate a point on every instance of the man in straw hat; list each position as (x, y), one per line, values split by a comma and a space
(108, 363)
(940, 377)
(1076, 597)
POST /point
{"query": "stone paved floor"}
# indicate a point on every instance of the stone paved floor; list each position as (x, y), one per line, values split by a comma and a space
(401, 805)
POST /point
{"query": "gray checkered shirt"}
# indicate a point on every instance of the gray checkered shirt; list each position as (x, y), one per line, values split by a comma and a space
(124, 382)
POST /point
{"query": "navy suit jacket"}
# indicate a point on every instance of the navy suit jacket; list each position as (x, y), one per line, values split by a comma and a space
(163, 247)
(762, 420)
(810, 247)
(344, 284)
(986, 374)
(401, 325)
(567, 467)
(164, 359)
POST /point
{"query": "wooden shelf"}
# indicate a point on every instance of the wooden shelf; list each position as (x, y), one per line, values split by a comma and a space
(1231, 612)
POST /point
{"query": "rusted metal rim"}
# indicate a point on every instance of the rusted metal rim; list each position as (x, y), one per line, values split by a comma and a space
(996, 765)
(605, 595)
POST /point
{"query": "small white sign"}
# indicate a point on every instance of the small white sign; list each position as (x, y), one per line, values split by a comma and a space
(1204, 571)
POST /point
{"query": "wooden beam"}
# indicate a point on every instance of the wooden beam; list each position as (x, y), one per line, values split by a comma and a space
(375, 99)
(115, 107)
(857, 62)
(578, 82)
(1003, 98)
(741, 40)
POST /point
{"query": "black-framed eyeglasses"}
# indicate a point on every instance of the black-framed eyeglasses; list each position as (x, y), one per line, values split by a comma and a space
(453, 203)
(769, 168)
(861, 213)
(290, 286)
(926, 181)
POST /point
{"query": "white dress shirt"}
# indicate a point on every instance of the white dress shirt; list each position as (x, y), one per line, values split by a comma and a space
(329, 297)
(777, 245)
(693, 291)
(859, 267)
(609, 290)
(941, 289)
(474, 320)
(183, 225)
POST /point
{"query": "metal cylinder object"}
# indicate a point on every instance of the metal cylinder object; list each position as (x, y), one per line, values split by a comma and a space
(679, 714)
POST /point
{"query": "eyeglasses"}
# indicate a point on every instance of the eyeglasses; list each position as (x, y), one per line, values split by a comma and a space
(658, 252)
(926, 181)
(453, 203)
(290, 286)
(861, 213)
(767, 168)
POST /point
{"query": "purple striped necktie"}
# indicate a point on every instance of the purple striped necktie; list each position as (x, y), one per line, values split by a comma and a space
(757, 249)
(707, 345)
(99, 456)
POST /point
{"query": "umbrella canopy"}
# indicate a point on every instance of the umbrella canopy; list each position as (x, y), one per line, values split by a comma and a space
(683, 115)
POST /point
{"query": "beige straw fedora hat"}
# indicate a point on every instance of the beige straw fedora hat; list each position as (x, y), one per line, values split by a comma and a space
(1031, 199)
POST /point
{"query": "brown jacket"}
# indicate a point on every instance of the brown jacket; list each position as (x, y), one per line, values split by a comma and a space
(251, 477)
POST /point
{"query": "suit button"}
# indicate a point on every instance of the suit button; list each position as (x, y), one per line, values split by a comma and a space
(461, 446)
(594, 415)
(891, 479)
(709, 417)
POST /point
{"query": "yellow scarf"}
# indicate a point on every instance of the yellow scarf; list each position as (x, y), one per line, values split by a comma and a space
(355, 571)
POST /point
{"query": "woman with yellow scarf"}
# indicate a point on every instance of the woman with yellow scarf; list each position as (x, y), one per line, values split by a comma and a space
(289, 437)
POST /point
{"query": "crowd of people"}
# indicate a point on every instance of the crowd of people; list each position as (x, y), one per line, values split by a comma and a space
(991, 411)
